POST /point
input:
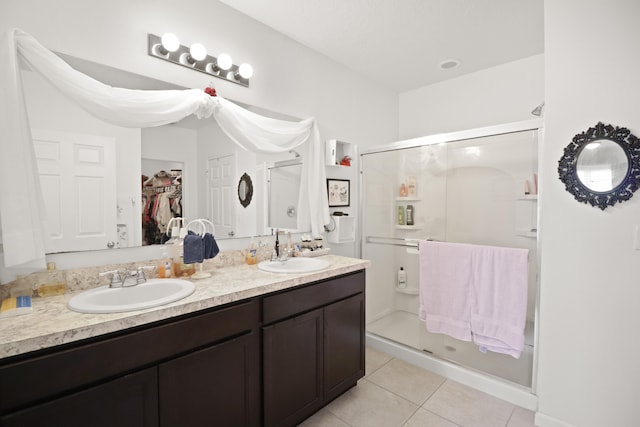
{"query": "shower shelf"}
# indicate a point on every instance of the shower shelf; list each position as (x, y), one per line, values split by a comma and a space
(527, 233)
(407, 199)
(409, 227)
(408, 291)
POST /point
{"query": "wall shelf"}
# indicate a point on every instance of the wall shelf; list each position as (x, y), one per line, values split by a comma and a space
(407, 199)
(335, 150)
(409, 227)
(408, 291)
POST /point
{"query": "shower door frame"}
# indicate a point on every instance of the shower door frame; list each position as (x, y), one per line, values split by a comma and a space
(502, 129)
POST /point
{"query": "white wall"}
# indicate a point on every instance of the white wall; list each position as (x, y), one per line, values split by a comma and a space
(289, 78)
(589, 364)
(502, 94)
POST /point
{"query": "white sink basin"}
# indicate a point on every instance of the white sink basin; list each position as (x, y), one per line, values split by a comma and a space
(294, 265)
(152, 293)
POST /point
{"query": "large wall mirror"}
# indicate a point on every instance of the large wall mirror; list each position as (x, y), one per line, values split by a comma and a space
(600, 166)
(189, 168)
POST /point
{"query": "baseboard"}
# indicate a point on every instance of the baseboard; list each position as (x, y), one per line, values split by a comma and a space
(542, 420)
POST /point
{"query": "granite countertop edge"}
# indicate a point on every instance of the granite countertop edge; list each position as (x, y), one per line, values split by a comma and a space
(52, 323)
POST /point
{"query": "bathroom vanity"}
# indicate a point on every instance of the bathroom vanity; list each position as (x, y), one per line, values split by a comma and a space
(247, 348)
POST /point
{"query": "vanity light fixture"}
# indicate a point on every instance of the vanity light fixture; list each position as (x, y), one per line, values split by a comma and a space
(168, 48)
(168, 43)
(245, 71)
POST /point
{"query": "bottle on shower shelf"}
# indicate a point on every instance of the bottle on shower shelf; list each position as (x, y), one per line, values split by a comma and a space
(400, 215)
(403, 190)
(410, 215)
(411, 186)
(402, 278)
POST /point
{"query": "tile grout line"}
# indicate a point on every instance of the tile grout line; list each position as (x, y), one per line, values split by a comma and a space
(513, 410)
(434, 413)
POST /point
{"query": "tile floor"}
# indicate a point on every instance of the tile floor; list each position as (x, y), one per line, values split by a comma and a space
(397, 394)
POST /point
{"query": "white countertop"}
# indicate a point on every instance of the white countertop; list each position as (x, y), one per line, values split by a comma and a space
(51, 323)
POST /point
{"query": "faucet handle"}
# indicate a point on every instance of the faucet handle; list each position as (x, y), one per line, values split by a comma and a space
(142, 277)
(116, 277)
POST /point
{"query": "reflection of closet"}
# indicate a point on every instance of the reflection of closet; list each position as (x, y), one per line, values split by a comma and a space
(161, 201)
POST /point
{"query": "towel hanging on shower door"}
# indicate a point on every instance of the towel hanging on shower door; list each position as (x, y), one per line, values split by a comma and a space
(475, 292)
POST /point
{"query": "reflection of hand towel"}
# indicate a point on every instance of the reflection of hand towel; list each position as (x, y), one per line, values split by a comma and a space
(193, 248)
(210, 246)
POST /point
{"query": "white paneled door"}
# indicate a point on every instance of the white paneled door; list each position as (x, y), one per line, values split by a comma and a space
(78, 179)
(220, 207)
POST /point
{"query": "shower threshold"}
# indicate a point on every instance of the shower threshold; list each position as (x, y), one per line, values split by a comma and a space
(406, 329)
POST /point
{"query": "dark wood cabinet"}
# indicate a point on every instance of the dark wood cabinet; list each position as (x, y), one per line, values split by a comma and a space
(129, 401)
(311, 357)
(218, 385)
(271, 360)
(292, 363)
(207, 362)
(344, 345)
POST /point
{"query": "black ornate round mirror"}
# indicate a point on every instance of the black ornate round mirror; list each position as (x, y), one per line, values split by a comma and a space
(600, 166)
(245, 190)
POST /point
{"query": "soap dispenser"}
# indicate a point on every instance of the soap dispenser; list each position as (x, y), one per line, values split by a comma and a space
(165, 270)
(402, 278)
(252, 253)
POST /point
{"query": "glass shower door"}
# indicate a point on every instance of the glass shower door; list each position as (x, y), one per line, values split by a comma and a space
(468, 191)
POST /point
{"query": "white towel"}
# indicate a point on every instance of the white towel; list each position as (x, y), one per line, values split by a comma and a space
(475, 292)
(445, 288)
(500, 305)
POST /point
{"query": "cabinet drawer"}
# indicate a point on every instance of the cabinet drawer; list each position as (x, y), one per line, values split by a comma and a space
(292, 302)
(53, 374)
(129, 401)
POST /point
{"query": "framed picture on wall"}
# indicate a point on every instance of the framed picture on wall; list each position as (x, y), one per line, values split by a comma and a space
(338, 191)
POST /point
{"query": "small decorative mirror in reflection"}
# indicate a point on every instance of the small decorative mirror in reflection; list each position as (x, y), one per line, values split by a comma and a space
(245, 190)
(600, 166)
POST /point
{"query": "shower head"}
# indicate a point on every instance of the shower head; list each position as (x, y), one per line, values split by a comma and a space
(538, 110)
(295, 153)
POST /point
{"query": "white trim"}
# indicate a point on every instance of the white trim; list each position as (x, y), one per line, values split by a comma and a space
(524, 125)
(542, 420)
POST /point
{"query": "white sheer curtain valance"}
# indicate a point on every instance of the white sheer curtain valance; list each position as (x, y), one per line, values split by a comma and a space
(21, 207)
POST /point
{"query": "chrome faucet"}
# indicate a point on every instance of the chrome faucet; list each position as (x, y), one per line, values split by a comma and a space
(279, 253)
(132, 277)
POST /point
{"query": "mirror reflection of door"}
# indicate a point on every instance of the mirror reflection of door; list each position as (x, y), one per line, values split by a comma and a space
(221, 194)
(161, 198)
(77, 175)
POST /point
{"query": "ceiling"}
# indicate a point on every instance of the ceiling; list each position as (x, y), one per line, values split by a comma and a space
(400, 43)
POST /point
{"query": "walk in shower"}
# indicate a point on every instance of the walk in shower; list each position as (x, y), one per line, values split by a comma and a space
(475, 187)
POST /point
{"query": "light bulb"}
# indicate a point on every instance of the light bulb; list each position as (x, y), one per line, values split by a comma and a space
(224, 61)
(198, 52)
(245, 70)
(170, 42)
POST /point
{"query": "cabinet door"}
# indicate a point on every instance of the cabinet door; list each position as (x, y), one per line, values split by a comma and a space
(292, 367)
(343, 345)
(130, 401)
(218, 385)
